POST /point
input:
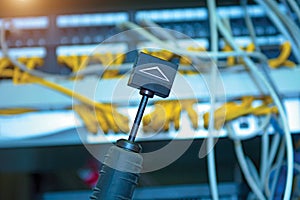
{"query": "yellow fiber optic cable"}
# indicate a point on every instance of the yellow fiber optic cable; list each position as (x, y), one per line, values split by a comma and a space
(110, 59)
(15, 111)
(282, 59)
(167, 112)
(233, 110)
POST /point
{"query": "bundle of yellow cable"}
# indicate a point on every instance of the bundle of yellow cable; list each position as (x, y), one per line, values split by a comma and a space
(16, 111)
(74, 62)
(233, 110)
(4, 63)
(110, 59)
(281, 61)
(167, 112)
(231, 60)
(162, 54)
(106, 115)
(108, 118)
(187, 61)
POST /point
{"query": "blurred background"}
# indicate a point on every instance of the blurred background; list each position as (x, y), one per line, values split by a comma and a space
(62, 94)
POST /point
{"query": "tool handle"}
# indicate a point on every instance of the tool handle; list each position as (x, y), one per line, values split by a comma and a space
(118, 175)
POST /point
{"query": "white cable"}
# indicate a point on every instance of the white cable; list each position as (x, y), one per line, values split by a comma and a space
(277, 173)
(249, 24)
(295, 7)
(210, 140)
(276, 99)
(287, 7)
(291, 26)
(243, 164)
(275, 19)
(244, 167)
(273, 149)
(272, 154)
(180, 51)
(264, 156)
(213, 25)
(249, 171)
(253, 171)
(278, 163)
(253, 68)
(290, 23)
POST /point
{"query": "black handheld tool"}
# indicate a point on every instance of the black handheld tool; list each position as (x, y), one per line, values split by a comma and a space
(123, 163)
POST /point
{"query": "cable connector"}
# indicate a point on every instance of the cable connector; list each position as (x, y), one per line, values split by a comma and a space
(153, 76)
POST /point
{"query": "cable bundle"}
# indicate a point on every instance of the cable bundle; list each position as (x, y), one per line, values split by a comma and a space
(167, 112)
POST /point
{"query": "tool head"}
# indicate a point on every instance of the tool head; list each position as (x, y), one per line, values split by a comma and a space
(153, 74)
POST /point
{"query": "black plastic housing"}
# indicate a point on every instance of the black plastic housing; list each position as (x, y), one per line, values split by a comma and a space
(154, 74)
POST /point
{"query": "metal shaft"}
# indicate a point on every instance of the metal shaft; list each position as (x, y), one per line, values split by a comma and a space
(138, 118)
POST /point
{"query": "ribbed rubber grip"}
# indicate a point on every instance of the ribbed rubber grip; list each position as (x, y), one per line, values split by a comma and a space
(118, 175)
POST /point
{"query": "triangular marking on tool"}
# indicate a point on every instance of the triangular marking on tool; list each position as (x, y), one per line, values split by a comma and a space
(155, 72)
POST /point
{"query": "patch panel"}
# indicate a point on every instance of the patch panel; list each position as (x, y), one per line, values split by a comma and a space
(79, 34)
(64, 40)
(89, 20)
(108, 90)
(29, 23)
(72, 123)
(172, 15)
(27, 52)
(90, 29)
(87, 49)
